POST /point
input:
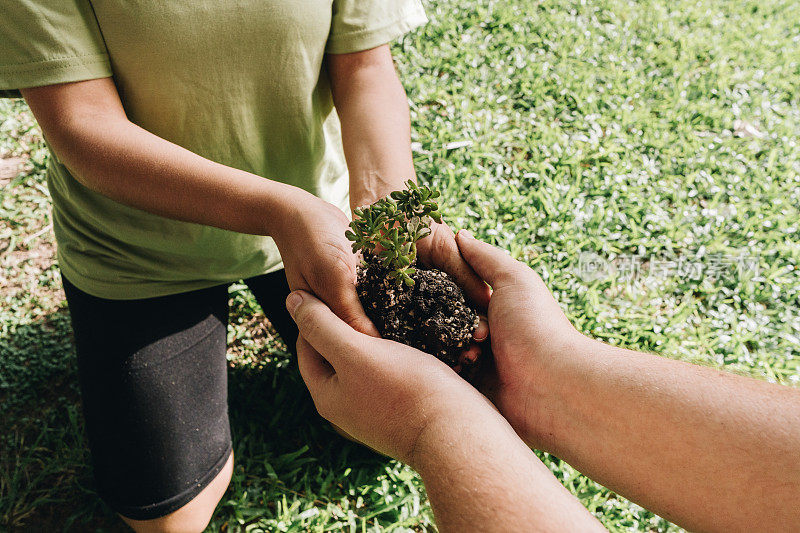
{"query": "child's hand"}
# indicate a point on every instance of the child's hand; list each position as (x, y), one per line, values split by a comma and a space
(439, 250)
(317, 258)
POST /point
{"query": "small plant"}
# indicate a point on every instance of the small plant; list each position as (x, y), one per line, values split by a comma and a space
(390, 228)
(409, 302)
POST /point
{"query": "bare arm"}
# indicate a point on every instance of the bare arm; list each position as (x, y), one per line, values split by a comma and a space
(86, 126)
(376, 133)
(376, 130)
(479, 476)
(708, 450)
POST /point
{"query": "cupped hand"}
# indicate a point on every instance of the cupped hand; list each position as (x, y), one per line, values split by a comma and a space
(318, 258)
(528, 332)
(382, 393)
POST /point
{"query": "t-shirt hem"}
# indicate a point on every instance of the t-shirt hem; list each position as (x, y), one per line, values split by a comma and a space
(368, 38)
(148, 289)
(52, 71)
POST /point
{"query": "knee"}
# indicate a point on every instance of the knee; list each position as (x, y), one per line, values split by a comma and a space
(195, 522)
(195, 515)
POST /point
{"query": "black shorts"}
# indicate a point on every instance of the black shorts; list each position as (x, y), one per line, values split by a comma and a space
(153, 379)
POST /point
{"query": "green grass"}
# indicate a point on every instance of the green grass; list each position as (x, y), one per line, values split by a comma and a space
(611, 129)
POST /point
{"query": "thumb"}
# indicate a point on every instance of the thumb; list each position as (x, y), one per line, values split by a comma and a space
(328, 334)
(314, 369)
(494, 265)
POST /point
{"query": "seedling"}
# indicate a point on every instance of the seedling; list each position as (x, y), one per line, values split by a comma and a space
(390, 228)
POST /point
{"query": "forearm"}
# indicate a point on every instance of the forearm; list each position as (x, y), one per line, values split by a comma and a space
(478, 474)
(136, 168)
(110, 155)
(706, 449)
(376, 132)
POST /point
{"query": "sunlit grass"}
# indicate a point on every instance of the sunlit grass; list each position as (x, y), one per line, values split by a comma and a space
(659, 134)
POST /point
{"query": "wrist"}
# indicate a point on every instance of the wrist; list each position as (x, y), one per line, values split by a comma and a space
(560, 375)
(286, 206)
(453, 432)
(367, 187)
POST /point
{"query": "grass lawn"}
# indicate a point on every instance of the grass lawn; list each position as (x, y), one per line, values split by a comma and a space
(643, 156)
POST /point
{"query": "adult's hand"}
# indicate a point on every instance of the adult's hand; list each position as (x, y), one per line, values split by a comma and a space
(318, 258)
(528, 333)
(409, 405)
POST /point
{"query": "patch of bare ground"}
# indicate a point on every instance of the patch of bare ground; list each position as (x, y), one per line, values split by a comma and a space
(26, 256)
(10, 168)
(253, 340)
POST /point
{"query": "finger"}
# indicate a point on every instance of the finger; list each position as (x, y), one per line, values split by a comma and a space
(320, 378)
(336, 286)
(347, 306)
(470, 356)
(314, 369)
(329, 335)
(492, 264)
(444, 255)
(481, 333)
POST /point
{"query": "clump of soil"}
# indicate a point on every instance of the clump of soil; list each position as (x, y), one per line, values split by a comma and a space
(431, 315)
(423, 308)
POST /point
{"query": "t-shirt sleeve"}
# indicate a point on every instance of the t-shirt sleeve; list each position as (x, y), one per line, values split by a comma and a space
(43, 42)
(363, 24)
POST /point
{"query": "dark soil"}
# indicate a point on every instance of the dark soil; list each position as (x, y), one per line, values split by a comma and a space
(432, 315)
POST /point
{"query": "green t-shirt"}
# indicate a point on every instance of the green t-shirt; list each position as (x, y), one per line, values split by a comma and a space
(240, 83)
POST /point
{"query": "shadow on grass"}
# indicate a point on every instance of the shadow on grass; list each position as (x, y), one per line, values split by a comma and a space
(284, 450)
(45, 482)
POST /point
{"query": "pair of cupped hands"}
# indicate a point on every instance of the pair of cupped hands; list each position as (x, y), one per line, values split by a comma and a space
(390, 396)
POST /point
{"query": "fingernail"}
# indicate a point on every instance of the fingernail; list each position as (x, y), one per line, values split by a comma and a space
(466, 233)
(293, 301)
